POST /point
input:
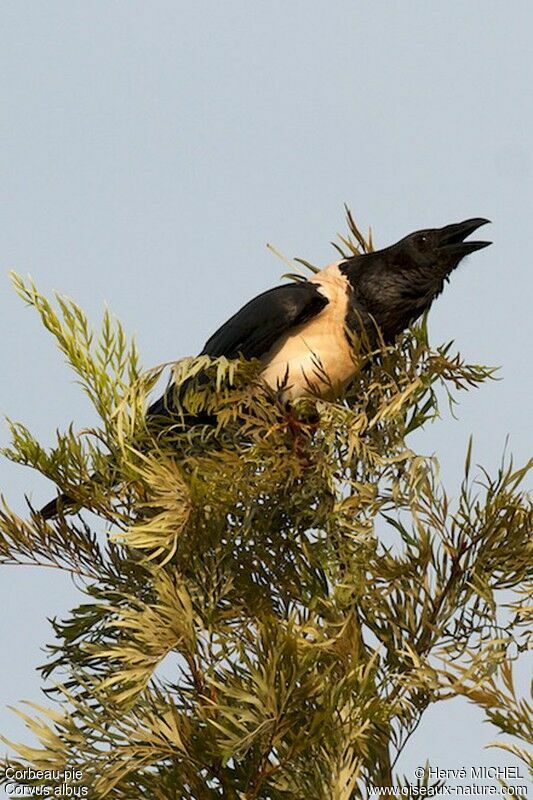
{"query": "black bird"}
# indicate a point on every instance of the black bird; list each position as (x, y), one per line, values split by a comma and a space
(302, 332)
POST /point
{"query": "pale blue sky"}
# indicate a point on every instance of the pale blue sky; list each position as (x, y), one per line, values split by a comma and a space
(150, 150)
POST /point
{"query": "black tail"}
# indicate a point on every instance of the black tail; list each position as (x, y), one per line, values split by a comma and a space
(161, 411)
(51, 509)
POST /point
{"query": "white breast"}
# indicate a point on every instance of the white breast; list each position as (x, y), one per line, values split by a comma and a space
(315, 357)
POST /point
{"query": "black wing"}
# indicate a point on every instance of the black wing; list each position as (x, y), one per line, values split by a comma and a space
(253, 330)
(250, 332)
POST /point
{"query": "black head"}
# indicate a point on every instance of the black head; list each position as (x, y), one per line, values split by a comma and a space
(397, 284)
(438, 249)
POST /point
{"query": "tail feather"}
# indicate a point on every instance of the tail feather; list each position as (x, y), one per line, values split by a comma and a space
(160, 411)
(52, 509)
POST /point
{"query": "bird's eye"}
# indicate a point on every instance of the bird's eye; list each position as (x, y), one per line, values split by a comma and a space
(422, 239)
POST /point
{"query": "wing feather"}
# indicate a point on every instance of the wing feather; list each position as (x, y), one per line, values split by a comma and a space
(253, 330)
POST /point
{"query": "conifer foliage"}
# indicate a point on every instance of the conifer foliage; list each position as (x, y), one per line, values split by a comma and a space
(273, 599)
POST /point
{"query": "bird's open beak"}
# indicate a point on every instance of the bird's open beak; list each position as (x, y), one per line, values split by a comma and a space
(452, 237)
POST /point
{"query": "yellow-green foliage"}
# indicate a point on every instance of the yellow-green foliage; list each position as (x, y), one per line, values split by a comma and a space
(303, 571)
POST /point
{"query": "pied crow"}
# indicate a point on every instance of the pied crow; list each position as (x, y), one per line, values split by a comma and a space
(302, 332)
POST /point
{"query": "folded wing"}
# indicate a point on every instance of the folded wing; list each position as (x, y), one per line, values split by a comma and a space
(254, 330)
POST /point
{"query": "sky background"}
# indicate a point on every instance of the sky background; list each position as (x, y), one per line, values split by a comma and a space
(150, 150)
